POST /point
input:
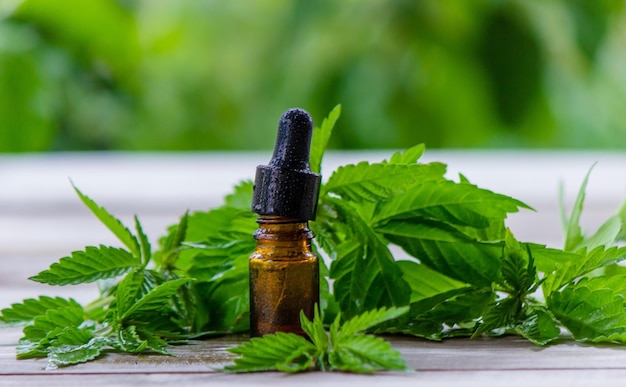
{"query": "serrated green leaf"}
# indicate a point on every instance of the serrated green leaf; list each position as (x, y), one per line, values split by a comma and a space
(446, 250)
(112, 223)
(73, 354)
(228, 305)
(453, 316)
(616, 283)
(365, 182)
(241, 197)
(430, 290)
(606, 235)
(222, 227)
(128, 340)
(365, 280)
(203, 225)
(128, 291)
(320, 139)
(37, 347)
(450, 202)
(328, 304)
(146, 251)
(425, 282)
(221, 286)
(408, 156)
(590, 311)
(210, 265)
(584, 263)
(286, 351)
(495, 231)
(367, 320)
(518, 269)
(351, 351)
(365, 273)
(550, 259)
(177, 234)
(134, 340)
(73, 336)
(315, 330)
(24, 312)
(365, 354)
(539, 327)
(95, 263)
(622, 216)
(154, 343)
(74, 345)
(156, 299)
(71, 316)
(133, 287)
(502, 315)
(171, 245)
(573, 233)
(329, 229)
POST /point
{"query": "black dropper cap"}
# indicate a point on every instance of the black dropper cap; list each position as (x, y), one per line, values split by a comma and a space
(287, 187)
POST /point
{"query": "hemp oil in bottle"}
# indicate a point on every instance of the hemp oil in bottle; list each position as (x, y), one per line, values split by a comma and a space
(284, 272)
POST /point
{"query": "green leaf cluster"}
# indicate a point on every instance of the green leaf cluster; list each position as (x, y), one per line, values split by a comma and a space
(147, 299)
(345, 348)
(453, 231)
(463, 273)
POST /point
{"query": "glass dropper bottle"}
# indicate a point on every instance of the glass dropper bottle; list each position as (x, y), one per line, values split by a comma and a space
(284, 272)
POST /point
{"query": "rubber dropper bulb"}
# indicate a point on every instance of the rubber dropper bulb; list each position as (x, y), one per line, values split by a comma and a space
(293, 141)
(286, 186)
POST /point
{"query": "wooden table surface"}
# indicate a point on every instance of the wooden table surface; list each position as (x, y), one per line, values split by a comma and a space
(41, 220)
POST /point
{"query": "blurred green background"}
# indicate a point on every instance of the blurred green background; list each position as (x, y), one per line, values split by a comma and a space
(194, 75)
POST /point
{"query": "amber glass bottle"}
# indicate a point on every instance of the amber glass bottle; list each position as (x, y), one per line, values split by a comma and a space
(283, 276)
(284, 273)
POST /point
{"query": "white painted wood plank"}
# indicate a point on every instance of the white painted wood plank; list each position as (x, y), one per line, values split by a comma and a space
(547, 378)
(483, 362)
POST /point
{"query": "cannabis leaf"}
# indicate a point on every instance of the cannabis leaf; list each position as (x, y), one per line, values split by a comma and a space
(345, 348)
(457, 203)
(137, 310)
(279, 351)
(516, 309)
(445, 249)
(320, 139)
(154, 299)
(581, 263)
(519, 273)
(571, 225)
(538, 326)
(113, 224)
(74, 345)
(373, 182)
(364, 270)
(591, 309)
(95, 263)
(24, 312)
(408, 156)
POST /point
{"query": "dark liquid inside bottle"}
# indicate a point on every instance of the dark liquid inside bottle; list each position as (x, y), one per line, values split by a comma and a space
(284, 277)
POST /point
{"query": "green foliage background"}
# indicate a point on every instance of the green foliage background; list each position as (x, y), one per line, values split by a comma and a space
(184, 75)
